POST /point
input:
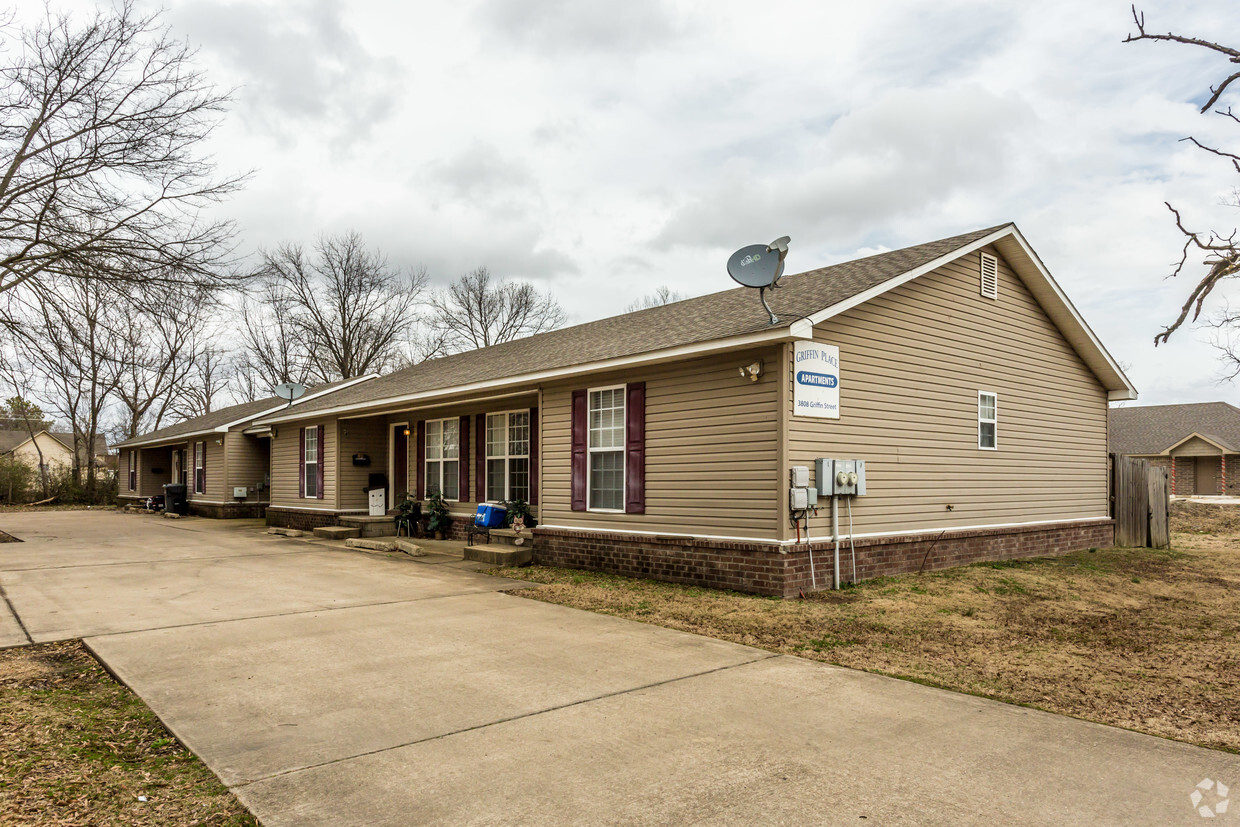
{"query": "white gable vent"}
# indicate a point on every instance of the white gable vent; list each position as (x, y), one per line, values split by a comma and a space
(990, 276)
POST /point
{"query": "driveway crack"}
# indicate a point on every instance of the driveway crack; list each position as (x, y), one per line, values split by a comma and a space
(16, 616)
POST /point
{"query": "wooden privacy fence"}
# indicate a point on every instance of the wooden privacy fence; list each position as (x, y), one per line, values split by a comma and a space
(1140, 503)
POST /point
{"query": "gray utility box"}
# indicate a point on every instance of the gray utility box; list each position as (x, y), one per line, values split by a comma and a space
(840, 477)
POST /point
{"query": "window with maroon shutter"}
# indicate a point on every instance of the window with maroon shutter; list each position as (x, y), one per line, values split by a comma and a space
(463, 430)
(605, 448)
(200, 467)
(443, 460)
(580, 461)
(133, 470)
(635, 448)
(301, 463)
(420, 471)
(534, 459)
(319, 463)
(480, 458)
(310, 462)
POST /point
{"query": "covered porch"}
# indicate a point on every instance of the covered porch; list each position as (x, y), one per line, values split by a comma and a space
(1202, 465)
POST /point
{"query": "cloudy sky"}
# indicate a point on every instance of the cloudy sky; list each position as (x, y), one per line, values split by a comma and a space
(604, 149)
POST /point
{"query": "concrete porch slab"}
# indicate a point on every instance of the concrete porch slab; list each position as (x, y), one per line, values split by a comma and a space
(498, 555)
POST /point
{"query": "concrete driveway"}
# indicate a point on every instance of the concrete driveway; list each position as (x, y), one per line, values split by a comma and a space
(328, 687)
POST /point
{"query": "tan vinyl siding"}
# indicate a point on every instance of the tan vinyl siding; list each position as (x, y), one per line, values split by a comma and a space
(150, 483)
(249, 460)
(361, 436)
(711, 449)
(1196, 447)
(911, 364)
(216, 470)
(285, 466)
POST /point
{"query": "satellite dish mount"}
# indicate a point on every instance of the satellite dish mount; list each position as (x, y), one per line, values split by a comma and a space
(290, 391)
(760, 266)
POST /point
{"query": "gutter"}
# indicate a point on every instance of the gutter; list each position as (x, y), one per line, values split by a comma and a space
(799, 329)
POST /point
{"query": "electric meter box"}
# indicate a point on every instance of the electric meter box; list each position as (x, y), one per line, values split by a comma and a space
(841, 477)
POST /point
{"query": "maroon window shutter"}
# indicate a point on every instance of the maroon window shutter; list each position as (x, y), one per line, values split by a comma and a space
(301, 463)
(319, 468)
(420, 474)
(480, 458)
(580, 465)
(533, 456)
(463, 458)
(635, 448)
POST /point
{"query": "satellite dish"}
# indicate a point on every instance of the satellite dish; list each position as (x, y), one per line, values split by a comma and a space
(760, 266)
(290, 391)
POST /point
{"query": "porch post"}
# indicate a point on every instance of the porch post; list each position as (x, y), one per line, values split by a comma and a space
(1222, 473)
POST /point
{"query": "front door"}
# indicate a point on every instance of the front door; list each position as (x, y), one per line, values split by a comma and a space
(398, 483)
(1207, 475)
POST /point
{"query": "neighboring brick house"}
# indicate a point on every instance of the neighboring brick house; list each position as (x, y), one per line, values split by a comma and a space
(1199, 444)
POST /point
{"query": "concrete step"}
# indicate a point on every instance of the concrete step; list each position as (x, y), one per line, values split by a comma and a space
(337, 532)
(286, 532)
(386, 544)
(508, 537)
(497, 555)
(371, 526)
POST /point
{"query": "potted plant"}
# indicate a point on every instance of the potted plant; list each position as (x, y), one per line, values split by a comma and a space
(408, 515)
(439, 520)
(519, 509)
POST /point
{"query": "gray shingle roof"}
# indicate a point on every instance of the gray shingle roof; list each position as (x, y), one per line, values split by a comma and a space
(223, 416)
(706, 318)
(1152, 429)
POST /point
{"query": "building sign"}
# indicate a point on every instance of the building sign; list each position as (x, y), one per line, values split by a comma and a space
(816, 380)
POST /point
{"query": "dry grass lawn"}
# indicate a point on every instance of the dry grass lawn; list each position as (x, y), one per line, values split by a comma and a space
(80, 749)
(1140, 638)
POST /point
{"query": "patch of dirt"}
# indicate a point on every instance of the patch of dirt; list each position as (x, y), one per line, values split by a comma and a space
(80, 749)
(8, 538)
(1147, 639)
(1196, 517)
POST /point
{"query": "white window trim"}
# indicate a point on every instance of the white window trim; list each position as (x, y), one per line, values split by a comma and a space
(200, 463)
(506, 457)
(994, 421)
(590, 452)
(427, 460)
(312, 459)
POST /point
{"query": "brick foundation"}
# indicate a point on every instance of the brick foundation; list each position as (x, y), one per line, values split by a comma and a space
(763, 568)
(227, 511)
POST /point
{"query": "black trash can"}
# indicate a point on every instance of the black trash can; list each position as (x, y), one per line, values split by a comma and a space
(174, 499)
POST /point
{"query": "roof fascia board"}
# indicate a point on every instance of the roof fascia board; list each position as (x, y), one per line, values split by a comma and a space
(164, 440)
(1202, 437)
(468, 400)
(769, 336)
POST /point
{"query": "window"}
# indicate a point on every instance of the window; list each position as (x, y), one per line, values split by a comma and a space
(987, 420)
(310, 469)
(990, 276)
(443, 467)
(508, 456)
(606, 449)
(133, 470)
(200, 467)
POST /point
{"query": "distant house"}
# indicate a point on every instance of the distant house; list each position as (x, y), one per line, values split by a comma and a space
(56, 448)
(1199, 444)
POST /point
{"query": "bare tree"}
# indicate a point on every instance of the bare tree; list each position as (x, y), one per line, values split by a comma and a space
(208, 380)
(102, 169)
(21, 413)
(272, 349)
(663, 295)
(1220, 252)
(473, 312)
(69, 337)
(159, 342)
(348, 312)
